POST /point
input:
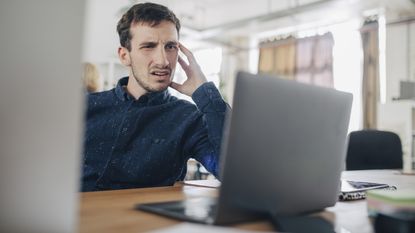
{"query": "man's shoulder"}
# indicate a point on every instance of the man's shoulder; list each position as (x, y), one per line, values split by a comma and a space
(181, 103)
(103, 97)
(100, 94)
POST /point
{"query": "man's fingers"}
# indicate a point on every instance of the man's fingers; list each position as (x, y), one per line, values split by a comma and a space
(187, 52)
(182, 63)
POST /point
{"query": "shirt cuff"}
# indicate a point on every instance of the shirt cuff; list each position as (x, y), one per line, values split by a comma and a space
(208, 98)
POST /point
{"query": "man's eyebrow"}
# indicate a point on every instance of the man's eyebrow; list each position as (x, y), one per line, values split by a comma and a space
(172, 42)
(148, 43)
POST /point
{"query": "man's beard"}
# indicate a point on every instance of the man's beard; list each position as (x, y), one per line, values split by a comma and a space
(144, 85)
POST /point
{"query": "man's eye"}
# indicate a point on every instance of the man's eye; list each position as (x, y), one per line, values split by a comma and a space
(171, 47)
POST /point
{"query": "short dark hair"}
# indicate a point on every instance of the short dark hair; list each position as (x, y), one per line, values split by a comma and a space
(144, 12)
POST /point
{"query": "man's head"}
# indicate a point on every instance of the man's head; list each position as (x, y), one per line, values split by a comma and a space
(149, 38)
(149, 13)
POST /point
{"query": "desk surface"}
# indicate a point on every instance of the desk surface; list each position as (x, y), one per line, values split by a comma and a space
(113, 211)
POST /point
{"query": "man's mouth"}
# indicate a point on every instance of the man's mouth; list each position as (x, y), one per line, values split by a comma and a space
(161, 73)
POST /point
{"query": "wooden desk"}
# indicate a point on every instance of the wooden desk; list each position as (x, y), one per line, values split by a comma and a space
(112, 211)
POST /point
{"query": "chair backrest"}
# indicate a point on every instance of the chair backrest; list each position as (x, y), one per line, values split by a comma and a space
(374, 149)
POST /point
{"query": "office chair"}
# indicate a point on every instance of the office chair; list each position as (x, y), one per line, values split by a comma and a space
(373, 149)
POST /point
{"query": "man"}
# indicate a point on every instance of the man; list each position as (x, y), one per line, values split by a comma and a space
(137, 134)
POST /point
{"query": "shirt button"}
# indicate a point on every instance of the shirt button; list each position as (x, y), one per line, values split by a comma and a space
(209, 90)
(157, 141)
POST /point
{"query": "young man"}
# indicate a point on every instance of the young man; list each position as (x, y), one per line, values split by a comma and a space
(137, 134)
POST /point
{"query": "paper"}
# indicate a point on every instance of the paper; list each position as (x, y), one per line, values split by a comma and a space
(204, 183)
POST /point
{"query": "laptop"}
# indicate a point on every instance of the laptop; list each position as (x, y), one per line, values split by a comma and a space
(283, 151)
(41, 116)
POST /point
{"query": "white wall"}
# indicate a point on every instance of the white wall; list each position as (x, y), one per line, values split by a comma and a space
(398, 116)
(234, 59)
(411, 61)
(100, 35)
(400, 56)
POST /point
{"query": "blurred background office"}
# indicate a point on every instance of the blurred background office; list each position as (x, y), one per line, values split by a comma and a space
(92, 79)
(366, 47)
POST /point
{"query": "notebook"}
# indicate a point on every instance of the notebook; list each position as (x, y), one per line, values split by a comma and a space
(282, 153)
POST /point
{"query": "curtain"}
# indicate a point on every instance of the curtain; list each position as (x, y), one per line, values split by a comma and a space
(370, 80)
(315, 60)
(304, 60)
(307, 60)
(278, 58)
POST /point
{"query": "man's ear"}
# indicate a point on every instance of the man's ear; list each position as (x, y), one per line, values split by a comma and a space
(124, 56)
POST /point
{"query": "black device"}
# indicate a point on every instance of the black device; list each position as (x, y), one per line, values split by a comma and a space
(301, 224)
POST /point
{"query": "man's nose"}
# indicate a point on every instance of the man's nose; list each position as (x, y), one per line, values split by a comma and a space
(161, 57)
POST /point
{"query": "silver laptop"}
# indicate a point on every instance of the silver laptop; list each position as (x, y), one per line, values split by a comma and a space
(282, 153)
(41, 101)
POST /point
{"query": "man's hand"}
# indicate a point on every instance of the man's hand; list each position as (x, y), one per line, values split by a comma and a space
(195, 77)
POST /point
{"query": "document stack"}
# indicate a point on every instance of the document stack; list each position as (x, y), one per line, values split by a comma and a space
(394, 211)
(390, 202)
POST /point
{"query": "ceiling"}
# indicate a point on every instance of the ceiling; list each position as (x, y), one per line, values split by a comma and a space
(207, 14)
(219, 20)
(205, 19)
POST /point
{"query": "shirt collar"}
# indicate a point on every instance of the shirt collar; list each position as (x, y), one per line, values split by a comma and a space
(152, 98)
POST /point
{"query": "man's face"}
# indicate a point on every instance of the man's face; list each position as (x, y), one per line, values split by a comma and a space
(153, 55)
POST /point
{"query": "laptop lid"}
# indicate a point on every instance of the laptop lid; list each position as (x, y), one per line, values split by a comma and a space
(284, 149)
(41, 114)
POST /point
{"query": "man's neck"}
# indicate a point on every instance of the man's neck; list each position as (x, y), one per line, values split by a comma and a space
(134, 89)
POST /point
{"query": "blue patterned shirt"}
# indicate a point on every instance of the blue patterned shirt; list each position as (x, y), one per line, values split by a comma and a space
(146, 142)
